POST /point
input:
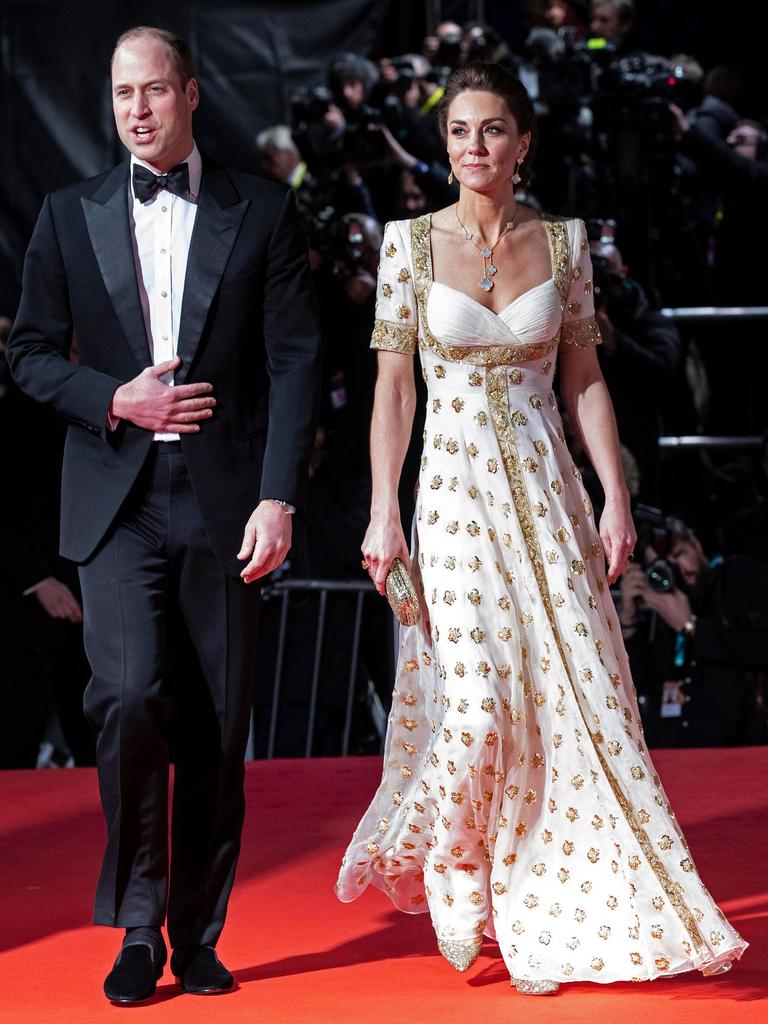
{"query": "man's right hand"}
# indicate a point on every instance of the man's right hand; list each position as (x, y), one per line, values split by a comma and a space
(153, 405)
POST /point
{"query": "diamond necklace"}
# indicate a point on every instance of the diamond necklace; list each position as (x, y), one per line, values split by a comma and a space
(486, 251)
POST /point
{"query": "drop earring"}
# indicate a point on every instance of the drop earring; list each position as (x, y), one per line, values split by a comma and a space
(516, 179)
(450, 177)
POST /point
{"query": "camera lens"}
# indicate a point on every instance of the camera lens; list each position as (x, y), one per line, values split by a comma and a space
(661, 576)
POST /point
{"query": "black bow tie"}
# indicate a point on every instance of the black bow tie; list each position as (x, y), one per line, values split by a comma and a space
(146, 183)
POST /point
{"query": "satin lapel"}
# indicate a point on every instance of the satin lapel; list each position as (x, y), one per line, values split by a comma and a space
(106, 217)
(217, 222)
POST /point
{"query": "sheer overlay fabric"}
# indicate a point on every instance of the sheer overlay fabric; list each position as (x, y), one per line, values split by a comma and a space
(518, 798)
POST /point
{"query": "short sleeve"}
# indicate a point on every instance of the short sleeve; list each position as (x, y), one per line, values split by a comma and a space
(396, 326)
(579, 323)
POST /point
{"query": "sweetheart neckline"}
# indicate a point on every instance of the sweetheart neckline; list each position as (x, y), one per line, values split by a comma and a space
(522, 295)
(496, 316)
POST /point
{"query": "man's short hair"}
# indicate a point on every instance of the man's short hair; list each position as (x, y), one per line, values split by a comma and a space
(278, 137)
(624, 8)
(679, 532)
(178, 50)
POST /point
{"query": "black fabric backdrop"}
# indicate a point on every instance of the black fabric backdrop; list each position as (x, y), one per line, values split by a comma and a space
(55, 103)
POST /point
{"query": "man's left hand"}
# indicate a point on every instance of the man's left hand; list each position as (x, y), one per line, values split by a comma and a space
(674, 608)
(266, 540)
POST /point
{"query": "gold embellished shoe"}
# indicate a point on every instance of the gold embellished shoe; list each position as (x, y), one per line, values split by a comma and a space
(460, 953)
(535, 988)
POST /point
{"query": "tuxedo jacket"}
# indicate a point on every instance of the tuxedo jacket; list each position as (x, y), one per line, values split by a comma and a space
(248, 326)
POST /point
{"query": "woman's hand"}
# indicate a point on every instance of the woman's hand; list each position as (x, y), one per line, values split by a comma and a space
(617, 532)
(384, 542)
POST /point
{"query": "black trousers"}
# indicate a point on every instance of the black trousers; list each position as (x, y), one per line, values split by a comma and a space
(171, 643)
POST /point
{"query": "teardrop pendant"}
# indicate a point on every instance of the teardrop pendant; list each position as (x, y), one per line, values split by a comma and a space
(486, 284)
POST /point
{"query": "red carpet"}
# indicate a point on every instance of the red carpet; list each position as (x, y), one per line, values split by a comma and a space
(300, 957)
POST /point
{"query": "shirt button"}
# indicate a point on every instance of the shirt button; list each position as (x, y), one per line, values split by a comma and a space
(163, 252)
(165, 337)
(164, 294)
(164, 209)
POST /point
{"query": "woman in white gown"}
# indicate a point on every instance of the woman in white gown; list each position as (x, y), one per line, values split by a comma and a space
(518, 800)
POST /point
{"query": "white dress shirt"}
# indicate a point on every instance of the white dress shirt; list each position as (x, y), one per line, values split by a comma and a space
(162, 230)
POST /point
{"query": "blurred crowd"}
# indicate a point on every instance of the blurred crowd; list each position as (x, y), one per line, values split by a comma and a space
(657, 154)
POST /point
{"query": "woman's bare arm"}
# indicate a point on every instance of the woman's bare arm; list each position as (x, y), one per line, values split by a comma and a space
(394, 405)
(590, 410)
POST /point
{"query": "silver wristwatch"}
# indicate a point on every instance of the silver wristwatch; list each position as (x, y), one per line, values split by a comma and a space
(286, 507)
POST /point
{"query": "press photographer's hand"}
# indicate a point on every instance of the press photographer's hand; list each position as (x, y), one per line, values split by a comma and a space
(674, 607)
(633, 588)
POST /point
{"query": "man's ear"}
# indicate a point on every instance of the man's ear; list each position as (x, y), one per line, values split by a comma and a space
(193, 93)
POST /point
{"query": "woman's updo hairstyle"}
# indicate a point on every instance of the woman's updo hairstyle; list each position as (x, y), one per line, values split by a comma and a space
(500, 81)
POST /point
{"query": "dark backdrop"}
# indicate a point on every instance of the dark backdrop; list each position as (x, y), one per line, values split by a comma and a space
(55, 103)
(55, 106)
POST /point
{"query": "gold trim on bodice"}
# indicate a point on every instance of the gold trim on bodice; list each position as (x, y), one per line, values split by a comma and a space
(485, 355)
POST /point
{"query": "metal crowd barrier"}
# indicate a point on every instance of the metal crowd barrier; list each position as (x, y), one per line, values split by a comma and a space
(715, 314)
(324, 589)
(701, 442)
(712, 314)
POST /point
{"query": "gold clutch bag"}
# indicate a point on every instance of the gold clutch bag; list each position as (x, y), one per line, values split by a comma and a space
(401, 594)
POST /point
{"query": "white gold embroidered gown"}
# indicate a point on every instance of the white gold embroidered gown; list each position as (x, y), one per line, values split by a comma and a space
(518, 799)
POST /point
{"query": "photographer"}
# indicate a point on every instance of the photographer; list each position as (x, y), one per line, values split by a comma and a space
(44, 665)
(329, 194)
(340, 491)
(613, 20)
(696, 633)
(730, 156)
(444, 48)
(640, 353)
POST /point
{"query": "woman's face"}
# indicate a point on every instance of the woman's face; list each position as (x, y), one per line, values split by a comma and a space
(483, 141)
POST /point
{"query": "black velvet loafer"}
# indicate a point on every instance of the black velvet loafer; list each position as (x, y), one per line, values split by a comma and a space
(200, 972)
(134, 975)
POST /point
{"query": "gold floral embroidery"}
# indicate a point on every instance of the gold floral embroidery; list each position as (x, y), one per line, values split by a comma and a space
(394, 337)
(391, 250)
(386, 291)
(404, 276)
(498, 401)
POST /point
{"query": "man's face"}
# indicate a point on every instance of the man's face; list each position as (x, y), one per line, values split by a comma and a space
(690, 560)
(354, 94)
(604, 22)
(153, 112)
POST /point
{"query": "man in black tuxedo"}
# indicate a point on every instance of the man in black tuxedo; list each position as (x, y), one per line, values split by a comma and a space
(190, 411)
